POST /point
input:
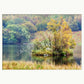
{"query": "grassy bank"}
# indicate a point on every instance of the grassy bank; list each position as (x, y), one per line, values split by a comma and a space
(33, 65)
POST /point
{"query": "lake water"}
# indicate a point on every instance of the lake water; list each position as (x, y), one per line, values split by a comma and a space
(17, 52)
(22, 52)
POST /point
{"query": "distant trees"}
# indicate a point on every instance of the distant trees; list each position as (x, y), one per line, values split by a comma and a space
(75, 23)
(32, 24)
(30, 27)
(15, 34)
(41, 26)
(4, 23)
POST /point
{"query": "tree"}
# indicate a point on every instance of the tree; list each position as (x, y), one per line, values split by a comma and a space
(30, 27)
(4, 22)
(18, 21)
(15, 34)
(54, 26)
(41, 27)
(42, 43)
(62, 42)
(66, 36)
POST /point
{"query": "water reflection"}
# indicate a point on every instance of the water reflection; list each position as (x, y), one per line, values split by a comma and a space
(17, 52)
(41, 59)
(22, 52)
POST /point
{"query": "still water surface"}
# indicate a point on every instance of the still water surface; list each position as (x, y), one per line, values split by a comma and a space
(22, 52)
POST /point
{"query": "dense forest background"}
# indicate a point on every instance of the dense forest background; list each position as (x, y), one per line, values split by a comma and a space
(21, 28)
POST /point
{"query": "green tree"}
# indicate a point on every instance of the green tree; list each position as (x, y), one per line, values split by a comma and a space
(15, 34)
(41, 27)
(4, 22)
(30, 27)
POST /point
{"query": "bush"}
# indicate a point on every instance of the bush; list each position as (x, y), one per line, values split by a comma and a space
(41, 52)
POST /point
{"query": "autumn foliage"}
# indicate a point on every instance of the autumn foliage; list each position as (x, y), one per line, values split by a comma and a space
(57, 40)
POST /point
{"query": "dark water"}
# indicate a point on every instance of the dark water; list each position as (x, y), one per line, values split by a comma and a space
(22, 52)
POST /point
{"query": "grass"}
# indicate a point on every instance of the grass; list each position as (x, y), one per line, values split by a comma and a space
(18, 65)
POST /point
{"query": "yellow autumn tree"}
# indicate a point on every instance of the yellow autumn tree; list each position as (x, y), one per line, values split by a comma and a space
(53, 26)
(62, 36)
(67, 43)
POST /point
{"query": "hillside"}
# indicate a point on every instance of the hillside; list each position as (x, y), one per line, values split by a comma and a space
(77, 35)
